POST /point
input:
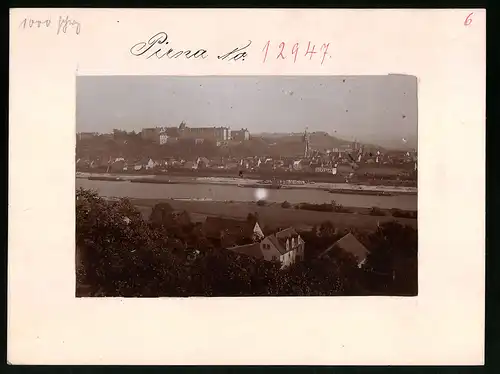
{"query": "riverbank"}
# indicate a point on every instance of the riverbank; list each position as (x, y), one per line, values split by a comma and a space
(252, 183)
(230, 192)
(274, 215)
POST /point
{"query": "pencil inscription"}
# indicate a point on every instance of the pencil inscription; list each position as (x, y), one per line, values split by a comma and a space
(64, 24)
(29, 23)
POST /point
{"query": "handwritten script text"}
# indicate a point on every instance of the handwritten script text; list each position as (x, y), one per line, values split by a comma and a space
(282, 52)
(157, 46)
(64, 24)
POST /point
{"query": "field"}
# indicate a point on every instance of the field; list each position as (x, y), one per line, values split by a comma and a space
(273, 215)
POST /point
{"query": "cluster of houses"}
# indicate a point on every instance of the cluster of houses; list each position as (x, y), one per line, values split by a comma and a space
(284, 246)
(120, 164)
(346, 160)
(330, 163)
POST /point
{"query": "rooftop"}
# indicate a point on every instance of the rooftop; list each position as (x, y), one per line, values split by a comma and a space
(351, 245)
(279, 239)
(252, 250)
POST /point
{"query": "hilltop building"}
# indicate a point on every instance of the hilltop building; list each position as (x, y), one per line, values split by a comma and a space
(151, 134)
(207, 133)
(240, 135)
(86, 135)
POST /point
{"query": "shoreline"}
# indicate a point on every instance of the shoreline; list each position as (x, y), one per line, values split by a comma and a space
(252, 183)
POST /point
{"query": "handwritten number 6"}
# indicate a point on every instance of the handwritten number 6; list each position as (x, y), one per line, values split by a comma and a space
(468, 20)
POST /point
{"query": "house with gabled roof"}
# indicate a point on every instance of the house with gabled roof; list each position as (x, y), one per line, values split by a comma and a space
(202, 162)
(351, 245)
(285, 246)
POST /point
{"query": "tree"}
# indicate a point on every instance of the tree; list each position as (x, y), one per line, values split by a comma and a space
(286, 205)
(326, 229)
(119, 251)
(376, 211)
(393, 258)
(253, 218)
(161, 214)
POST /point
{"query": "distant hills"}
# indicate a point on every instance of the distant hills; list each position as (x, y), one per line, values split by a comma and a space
(321, 140)
(318, 140)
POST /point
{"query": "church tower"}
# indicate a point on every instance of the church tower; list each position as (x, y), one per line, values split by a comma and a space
(306, 141)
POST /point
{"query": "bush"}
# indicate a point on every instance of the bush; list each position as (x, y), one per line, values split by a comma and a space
(253, 217)
(316, 207)
(338, 208)
(286, 205)
(403, 213)
(324, 207)
(341, 209)
(376, 211)
(261, 203)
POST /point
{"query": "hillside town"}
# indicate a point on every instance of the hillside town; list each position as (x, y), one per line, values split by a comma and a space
(203, 151)
(282, 242)
(179, 195)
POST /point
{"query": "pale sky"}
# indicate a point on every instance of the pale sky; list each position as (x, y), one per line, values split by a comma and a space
(373, 109)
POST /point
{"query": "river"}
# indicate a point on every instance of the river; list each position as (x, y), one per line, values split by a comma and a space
(234, 193)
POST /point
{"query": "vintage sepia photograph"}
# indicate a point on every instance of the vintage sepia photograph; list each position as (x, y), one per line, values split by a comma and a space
(246, 186)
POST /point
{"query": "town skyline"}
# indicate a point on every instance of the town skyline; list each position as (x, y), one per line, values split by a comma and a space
(287, 104)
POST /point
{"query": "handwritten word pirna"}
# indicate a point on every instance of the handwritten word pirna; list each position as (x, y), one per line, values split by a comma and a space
(64, 24)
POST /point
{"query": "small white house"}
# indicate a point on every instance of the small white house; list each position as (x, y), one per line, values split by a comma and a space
(326, 170)
(163, 138)
(297, 165)
(150, 164)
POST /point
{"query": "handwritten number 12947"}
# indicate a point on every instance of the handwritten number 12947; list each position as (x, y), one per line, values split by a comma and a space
(283, 52)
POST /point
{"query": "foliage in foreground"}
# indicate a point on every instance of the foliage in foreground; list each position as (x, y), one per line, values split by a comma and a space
(121, 254)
